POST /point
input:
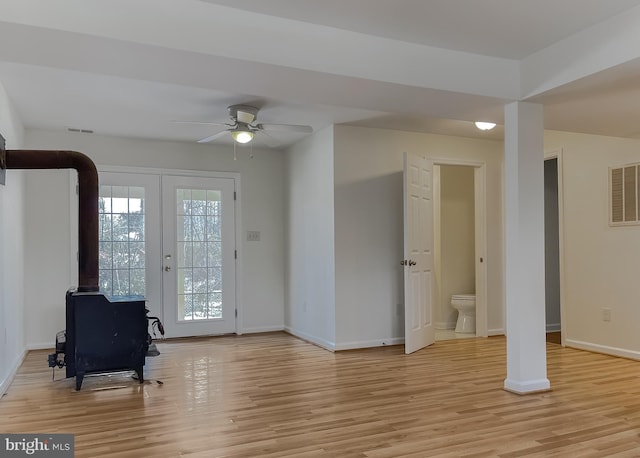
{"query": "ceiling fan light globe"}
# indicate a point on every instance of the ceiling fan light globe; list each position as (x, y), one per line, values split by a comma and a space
(242, 136)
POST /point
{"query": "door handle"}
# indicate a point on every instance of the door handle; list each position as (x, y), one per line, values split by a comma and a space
(403, 262)
(167, 268)
(412, 263)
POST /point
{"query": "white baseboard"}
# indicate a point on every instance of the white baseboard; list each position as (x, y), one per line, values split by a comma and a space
(261, 329)
(331, 346)
(555, 327)
(370, 343)
(527, 387)
(4, 385)
(604, 349)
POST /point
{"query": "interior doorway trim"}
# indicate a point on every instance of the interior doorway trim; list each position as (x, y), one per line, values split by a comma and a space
(480, 197)
(556, 153)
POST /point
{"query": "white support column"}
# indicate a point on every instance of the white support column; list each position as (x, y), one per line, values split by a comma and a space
(524, 247)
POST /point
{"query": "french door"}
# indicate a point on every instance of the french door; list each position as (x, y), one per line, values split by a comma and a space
(129, 238)
(171, 239)
(198, 255)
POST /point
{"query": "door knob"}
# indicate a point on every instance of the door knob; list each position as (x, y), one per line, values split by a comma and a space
(412, 263)
(167, 268)
(403, 262)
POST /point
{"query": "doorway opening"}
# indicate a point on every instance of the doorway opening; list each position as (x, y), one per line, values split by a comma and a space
(552, 251)
(459, 247)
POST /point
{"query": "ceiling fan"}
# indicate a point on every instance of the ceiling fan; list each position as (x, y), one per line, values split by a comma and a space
(244, 125)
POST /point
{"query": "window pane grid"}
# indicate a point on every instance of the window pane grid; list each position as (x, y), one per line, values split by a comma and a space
(121, 215)
(199, 257)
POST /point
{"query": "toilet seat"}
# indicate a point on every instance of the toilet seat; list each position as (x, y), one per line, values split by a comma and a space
(463, 297)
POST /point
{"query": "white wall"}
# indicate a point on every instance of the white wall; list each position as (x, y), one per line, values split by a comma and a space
(457, 229)
(12, 299)
(368, 215)
(12, 225)
(261, 194)
(310, 289)
(601, 263)
(369, 228)
(47, 255)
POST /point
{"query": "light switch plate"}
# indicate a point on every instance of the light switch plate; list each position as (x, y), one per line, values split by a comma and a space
(253, 236)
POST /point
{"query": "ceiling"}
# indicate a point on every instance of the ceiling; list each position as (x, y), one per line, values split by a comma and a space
(132, 68)
(500, 28)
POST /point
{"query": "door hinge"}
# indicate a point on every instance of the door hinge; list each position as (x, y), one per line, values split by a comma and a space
(234, 195)
(236, 313)
(235, 254)
(77, 189)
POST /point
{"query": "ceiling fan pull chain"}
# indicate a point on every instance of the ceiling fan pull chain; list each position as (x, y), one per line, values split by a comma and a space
(251, 151)
(234, 151)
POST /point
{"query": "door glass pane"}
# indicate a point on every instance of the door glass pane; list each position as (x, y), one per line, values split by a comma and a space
(122, 240)
(199, 254)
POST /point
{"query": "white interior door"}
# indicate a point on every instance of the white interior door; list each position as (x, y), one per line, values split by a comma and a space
(199, 272)
(419, 330)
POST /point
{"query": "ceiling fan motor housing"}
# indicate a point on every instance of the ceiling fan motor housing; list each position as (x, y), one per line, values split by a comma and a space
(245, 114)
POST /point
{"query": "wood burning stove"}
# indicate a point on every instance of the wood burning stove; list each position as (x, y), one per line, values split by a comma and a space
(103, 334)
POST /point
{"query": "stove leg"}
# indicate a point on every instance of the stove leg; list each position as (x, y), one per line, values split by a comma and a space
(79, 378)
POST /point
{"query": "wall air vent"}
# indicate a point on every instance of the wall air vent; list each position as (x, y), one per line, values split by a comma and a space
(624, 195)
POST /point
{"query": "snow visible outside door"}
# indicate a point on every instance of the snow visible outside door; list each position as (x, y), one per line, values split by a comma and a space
(183, 262)
(198, 256)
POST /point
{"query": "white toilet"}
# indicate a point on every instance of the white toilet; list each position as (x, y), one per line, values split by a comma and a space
(465, 304)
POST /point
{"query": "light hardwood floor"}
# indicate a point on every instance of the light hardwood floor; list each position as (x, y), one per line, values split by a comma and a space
(272, 395)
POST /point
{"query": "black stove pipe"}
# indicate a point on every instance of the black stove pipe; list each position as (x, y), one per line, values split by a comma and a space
(87, 202)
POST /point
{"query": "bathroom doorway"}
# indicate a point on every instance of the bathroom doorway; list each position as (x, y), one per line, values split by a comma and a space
(459, 245)
(552, 250)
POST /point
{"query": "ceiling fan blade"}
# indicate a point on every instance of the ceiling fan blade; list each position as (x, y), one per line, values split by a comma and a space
(286, 128)
(268, 139)
(212, 137)
(203, 122)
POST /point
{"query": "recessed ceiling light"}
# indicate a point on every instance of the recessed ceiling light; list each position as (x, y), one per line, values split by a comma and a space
(485, 125)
